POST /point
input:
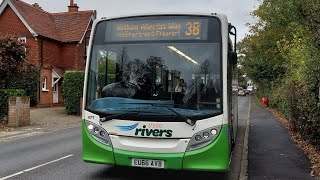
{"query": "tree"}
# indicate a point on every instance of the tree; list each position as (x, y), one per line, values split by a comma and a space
(12, 58)
(282, 56)
(267, 48)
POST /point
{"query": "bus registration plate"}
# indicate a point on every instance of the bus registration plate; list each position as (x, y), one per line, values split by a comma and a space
(148, 163)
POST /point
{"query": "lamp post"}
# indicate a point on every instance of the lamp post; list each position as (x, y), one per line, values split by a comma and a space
(241, 55)
(239, 62)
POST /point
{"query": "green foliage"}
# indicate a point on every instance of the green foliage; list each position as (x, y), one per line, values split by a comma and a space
(282, 58)
(29, 83)
(72, 89)
(280, 97)
(4, 96)
(16, 73)
(242, 80)
(308, 14)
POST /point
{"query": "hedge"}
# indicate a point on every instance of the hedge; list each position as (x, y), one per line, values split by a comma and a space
(29, 82)
(4, 96)
(72, 89)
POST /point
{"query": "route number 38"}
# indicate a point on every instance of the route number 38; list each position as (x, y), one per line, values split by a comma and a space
(193, 28)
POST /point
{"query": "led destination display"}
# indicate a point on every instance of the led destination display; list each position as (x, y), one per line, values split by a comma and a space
(148, 30)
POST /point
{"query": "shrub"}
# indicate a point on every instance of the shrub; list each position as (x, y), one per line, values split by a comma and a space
(4, 96)
(72, 89)
(29, 82)
(295, 101)
(305, 113)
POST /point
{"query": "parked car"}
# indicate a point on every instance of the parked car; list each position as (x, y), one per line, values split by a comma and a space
(241, 92)
(247, 91)
(250, 89)
(234, 89)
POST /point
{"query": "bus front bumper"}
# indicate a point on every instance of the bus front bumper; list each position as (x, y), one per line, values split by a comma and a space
(214, 157)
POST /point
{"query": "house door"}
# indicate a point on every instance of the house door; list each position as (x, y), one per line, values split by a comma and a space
(55, 91)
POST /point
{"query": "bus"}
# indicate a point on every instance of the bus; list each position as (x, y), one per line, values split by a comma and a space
(158, 92)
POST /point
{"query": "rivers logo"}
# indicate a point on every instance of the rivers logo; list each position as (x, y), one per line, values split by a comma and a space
(144, 131)
(127, 128)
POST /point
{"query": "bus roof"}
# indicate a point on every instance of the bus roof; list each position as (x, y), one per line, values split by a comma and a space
(220, 16)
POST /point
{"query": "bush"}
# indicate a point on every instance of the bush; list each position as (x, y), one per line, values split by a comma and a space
(4, 96)
(29, 83)
(72, 89)
(305, 114)
(28, 80)
(295, 101)
(280, 97)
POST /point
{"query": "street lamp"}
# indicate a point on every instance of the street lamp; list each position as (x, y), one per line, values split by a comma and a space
(241, 55)
(239, 62)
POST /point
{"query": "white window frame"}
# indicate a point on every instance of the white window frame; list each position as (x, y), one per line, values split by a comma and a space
(44, 84)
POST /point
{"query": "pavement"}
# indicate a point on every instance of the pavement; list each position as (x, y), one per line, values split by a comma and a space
(42, 120)
(269, 151)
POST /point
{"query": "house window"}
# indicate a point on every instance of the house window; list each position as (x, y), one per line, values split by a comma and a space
(44, 84)
(22, 40)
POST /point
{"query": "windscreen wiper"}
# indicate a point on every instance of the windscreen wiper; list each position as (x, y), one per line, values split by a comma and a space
(187, 120)
(113, 116)
(184, 118)
(106, 116)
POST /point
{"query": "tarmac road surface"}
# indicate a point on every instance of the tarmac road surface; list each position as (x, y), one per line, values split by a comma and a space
(57, 155)
(272, 153)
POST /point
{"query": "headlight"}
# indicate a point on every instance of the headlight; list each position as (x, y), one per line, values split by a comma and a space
(203, 138)
(214, 131)
(198, 138)
(98, 133)
(102, 133)
(90, 127)
(95, 130)
(206, 135)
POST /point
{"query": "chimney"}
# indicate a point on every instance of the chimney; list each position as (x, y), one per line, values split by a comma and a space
(72, 7)
(36, 5)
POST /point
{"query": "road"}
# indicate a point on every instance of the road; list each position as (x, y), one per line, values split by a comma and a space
(57, 155)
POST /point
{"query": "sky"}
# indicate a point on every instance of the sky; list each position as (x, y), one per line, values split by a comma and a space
(237, 11)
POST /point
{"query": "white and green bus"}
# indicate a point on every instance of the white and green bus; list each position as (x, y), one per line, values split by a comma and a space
(158, 92)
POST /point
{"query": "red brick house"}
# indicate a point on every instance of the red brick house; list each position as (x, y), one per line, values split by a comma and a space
(54, 41)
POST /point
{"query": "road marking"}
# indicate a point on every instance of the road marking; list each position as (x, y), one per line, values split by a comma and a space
(30, 169)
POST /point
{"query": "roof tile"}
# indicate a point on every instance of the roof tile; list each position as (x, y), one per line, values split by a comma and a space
(72, 25)
(64, 27)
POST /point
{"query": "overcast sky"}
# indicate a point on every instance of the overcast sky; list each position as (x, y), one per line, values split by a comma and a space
(238, 11)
